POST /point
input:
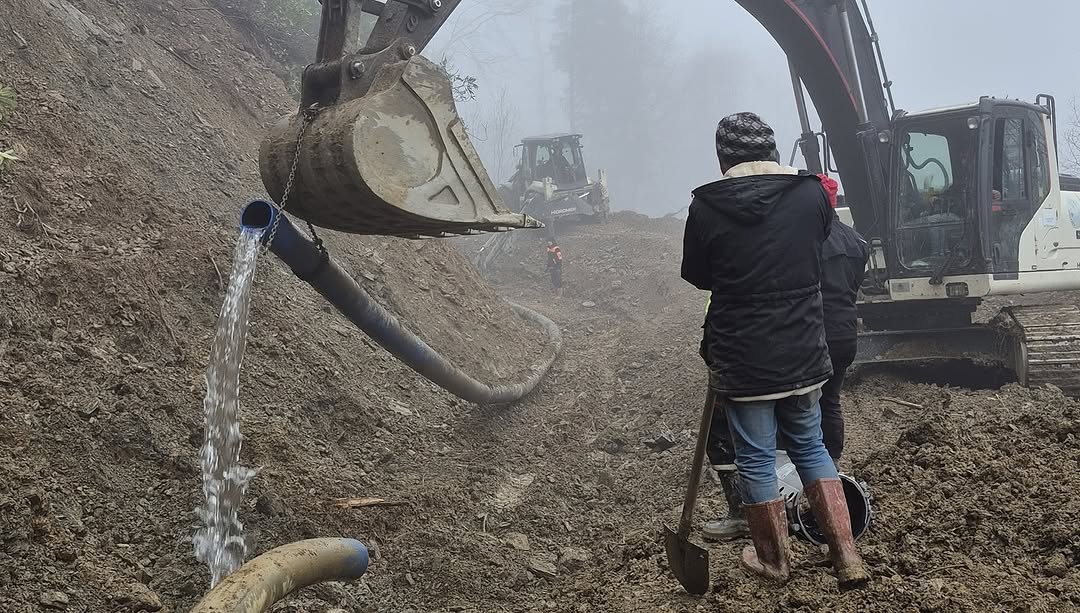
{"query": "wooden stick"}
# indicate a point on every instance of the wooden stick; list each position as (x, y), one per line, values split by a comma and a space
(176, 55)
(904, 403)
(169, 329)
(359, 503)
(934, 571)
(221, 281)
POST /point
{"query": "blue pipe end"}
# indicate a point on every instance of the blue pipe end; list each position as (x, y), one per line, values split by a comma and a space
(356, 564)
(258, 215)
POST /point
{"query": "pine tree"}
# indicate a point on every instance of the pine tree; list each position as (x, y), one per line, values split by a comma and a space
(618, 92)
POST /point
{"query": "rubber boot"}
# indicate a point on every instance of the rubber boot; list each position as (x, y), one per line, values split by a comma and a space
(829, 505)
(734, 525)
(770, 555)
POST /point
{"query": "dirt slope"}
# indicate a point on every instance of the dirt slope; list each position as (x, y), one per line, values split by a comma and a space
(138, 123)
(137, 160)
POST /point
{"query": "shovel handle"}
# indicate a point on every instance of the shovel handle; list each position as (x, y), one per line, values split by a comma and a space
(695, 469)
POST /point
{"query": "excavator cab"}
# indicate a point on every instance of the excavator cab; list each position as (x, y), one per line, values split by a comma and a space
(377, 146)
(936, 184)
(976, 202)
(957, 204)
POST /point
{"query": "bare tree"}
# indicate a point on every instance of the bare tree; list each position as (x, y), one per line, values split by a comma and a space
(503, 124)
(1070, 141)
(620, 93)
(472, 22)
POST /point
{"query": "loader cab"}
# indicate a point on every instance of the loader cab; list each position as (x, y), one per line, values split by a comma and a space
(556, 156)
(967, 183)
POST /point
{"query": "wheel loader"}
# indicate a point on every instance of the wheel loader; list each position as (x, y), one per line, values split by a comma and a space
(552, 183)
(960, 203)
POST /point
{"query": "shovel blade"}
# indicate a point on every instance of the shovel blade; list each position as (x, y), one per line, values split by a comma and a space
(689, 562)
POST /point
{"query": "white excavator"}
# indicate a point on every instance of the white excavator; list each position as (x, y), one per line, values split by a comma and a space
(959, 204)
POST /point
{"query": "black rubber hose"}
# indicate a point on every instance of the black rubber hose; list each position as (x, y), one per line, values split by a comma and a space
(315, 267)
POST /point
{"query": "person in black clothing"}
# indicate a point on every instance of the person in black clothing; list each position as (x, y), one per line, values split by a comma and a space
(754, 239)
(843, 267)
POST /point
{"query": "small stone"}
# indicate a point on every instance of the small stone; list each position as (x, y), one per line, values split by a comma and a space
(270, 505)
(66, 554)
(660, 442)
(573, 558)
(332, 592)
(88, 411)
(399, 408)
(158, 83)
(605, 478)
(54, 600)
(1056, 566)
(518, 541)
(588, 304)
(543, 568)
(138, 598)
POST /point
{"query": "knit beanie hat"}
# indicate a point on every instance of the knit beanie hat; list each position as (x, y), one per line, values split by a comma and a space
(744, 137)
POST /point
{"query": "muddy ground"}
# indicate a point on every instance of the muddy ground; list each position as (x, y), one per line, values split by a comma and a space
(139, 142)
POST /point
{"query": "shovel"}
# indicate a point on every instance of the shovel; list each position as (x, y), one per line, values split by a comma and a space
(689, 562)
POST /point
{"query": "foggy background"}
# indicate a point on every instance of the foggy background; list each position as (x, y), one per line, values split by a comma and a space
(651, 79)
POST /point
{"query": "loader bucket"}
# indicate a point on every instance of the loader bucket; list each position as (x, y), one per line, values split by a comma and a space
(394, 162)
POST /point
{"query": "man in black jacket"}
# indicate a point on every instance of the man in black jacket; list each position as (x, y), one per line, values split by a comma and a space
(843, 267)
(754, 240)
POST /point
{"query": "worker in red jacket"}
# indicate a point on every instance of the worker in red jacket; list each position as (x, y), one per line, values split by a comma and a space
(554, 265)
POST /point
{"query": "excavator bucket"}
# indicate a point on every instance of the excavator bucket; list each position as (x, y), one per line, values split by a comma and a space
(396, 161)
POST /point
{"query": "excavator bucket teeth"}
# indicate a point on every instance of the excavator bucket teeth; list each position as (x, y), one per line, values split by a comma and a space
(395, 162)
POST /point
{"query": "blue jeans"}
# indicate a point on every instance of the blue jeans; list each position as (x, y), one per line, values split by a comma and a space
(753, 428)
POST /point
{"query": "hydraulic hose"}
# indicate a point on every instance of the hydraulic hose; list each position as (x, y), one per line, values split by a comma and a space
(312, 265)
(277, 573)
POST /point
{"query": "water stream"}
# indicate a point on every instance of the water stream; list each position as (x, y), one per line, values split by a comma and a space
(220, 542)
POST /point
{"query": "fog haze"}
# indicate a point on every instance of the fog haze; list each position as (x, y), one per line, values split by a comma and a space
(691, 63)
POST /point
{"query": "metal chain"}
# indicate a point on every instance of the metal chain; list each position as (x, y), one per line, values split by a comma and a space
(306, 116)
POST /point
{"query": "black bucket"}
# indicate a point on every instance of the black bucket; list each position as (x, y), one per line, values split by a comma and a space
(801, 517)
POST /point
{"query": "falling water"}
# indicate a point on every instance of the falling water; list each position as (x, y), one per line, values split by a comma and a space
(220, 542)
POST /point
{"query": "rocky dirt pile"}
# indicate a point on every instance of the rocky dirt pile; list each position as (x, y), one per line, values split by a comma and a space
(974, 490)
(138, 125)
(978, 499)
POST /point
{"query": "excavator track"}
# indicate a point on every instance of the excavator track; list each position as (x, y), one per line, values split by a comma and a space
(1046, 345)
